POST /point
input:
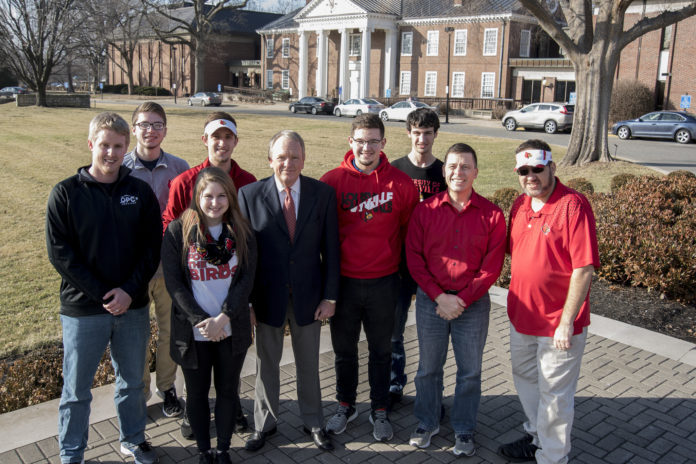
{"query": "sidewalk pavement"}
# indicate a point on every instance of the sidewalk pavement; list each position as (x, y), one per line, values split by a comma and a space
(636, 403)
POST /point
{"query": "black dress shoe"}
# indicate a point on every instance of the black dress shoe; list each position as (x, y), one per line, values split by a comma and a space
(240, 423)
(321, 439)
(258, 439)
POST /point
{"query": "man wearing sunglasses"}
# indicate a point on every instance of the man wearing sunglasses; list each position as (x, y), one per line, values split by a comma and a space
(553, 244)
(374, 201)
(148, 162)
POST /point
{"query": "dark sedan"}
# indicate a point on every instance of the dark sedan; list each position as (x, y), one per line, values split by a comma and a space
(312, 105)
(679, 126)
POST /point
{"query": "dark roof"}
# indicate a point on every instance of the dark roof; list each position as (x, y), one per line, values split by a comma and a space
(381, 6)
(412, 9)
(228, 21)
(284, 22)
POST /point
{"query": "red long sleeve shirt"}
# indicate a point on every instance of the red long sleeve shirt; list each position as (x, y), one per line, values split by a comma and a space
(455, 250)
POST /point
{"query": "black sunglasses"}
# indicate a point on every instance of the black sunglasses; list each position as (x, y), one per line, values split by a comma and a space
(535, 170)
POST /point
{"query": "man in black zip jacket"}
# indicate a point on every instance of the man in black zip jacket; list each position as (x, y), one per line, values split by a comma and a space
(103, 235)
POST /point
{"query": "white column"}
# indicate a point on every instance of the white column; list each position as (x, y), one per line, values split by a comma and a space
(390, 53)
(343, 65)
(365, 62)
(321, 63)
(302, 72)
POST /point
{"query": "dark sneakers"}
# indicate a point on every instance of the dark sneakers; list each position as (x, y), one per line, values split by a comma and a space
(522, 450)
(171, 406)
(142, 453)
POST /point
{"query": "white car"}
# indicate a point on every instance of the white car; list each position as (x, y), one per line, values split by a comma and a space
(400, 111)
(358, 106)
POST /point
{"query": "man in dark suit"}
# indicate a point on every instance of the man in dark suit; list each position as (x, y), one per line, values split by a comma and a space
(295, 221)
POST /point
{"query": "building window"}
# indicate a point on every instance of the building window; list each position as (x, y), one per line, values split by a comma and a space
(460, 42)
(487, 84)
(490, 42)
(433, 39)
(269, 48)
(285, 82)
(458, 84)
(405, 83)
(286, 48)
(269, 78)
(355, 42)
(407, 43)
(430, 83)
(525, 42)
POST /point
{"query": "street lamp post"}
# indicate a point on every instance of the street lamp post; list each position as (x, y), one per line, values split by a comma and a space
(448, 30)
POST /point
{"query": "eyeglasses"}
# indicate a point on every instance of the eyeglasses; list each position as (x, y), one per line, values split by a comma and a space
(158, 126)
(525, 171)
(362, 143)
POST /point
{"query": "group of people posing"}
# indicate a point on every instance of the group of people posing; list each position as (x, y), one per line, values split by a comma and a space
(228, 261)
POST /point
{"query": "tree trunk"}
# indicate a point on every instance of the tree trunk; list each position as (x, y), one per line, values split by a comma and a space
(71, 84)
(41, 95)
(594, 81)
(129, 73)
(199, 55)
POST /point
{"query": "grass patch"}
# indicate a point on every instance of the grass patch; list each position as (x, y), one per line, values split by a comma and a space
(41, 146)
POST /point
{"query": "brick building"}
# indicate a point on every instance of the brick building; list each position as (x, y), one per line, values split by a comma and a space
(234, 59)
(399, 48)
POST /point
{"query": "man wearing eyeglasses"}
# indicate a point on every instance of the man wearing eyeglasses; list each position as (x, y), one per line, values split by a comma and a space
(150, 163)
(552, 240)
(375, 201)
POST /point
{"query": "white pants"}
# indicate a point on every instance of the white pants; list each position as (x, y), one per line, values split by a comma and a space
(546, 380)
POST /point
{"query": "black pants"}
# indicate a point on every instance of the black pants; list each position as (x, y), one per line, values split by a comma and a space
(369, 302)
(214, 357)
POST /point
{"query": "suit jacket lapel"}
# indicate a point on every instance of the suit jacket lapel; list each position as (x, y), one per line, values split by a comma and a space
(308, 198)
(270, 199)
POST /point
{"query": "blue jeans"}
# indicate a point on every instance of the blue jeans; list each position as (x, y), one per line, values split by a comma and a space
(468, 332)
(84, 341)
(407, 289)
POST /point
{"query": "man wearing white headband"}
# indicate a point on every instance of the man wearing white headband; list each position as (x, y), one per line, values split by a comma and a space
(553, 244)
(220, 137)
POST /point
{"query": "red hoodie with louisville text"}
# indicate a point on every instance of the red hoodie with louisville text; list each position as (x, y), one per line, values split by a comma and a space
(373, 214)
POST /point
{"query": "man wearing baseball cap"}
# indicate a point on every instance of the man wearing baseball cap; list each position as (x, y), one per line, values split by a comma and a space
(553, 244)
(220, 137)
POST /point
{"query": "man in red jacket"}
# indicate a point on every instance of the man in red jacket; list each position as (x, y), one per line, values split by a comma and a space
(220, 136)
(375, 201)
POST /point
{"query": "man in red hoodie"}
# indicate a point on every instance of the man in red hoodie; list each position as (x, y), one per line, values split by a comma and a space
(375, 201)
(220, 137)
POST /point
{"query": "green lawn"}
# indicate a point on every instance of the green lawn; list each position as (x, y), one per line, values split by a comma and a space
(41, 146)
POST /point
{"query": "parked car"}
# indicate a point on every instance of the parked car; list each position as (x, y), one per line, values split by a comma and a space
(551, 117)
(358, 106)
(205, 99)
(399, 111)
(679, 126)
(12, 91)
(312, 105)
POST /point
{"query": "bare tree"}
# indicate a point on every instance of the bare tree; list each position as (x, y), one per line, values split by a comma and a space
(196, 30)
(593, 43)
(35, 38)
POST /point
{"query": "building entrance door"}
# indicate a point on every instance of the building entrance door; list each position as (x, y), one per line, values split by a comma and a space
(355, 83)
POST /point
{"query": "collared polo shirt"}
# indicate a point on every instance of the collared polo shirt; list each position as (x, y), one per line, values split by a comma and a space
(167, 168)
(456, 250)
(545, 247)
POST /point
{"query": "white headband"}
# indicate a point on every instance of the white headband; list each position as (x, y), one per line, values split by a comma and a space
(212, 126)
(532, 157)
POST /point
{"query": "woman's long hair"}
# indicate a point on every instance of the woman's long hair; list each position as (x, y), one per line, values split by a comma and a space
(233, 219)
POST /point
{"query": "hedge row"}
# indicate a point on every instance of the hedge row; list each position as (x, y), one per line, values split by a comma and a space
(137, 90)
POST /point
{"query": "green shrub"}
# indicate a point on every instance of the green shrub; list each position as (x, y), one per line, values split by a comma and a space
(151, 91)
(620, 180)
(681, 173)
(645, 232)
(117, 88)
(630, 99)
(504, 198)
(581, 185)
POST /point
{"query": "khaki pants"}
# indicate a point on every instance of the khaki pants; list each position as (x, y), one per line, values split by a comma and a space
(165, 368)
(546, 380)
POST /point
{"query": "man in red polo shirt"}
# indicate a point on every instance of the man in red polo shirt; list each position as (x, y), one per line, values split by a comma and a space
(455, 249)
(553, 244)
(220, 137)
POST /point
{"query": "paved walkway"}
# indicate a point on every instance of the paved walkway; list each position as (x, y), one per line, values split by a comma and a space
(636, 403)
